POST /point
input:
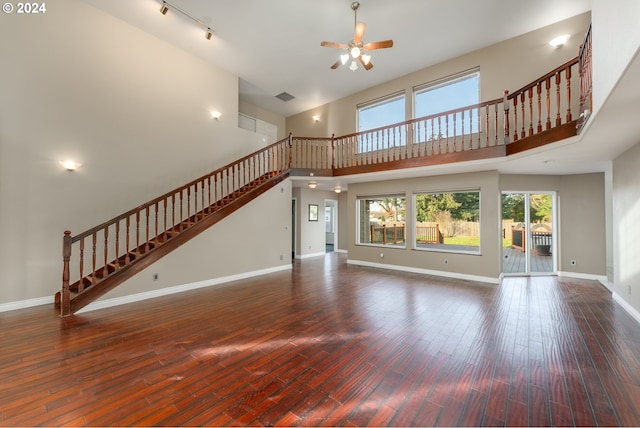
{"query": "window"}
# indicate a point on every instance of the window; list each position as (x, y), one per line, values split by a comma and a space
(381, 113)
(381, 220)
(448, 221)
(268, 130)
(450, 94)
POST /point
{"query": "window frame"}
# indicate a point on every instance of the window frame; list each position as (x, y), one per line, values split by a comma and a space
(378, 102)
(359, 225)
(436, 247)
(447, 81)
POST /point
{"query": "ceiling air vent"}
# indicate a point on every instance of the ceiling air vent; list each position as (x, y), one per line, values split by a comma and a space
(285, 97)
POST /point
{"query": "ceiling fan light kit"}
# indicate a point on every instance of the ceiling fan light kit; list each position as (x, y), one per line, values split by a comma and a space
(356, 48)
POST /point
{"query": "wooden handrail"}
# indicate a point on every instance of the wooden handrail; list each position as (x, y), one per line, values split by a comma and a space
(563, 67)
(586, 83)
(146, 205)
(422, 118)
(164, 219)
(525, 112)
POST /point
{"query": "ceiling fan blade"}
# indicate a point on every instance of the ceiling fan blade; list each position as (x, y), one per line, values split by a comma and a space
(367, 66)
(337, 64)
(378, 45)
(334, 45)
(359, 33)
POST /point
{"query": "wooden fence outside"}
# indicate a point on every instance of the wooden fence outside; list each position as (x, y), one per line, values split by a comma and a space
(383, 234)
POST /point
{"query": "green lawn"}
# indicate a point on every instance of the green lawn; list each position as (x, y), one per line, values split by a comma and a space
(463, 240)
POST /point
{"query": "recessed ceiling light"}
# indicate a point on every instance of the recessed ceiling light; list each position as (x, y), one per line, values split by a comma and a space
(70, 165)
(560, 40)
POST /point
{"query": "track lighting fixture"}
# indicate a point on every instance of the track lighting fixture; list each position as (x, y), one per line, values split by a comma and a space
(166, 6)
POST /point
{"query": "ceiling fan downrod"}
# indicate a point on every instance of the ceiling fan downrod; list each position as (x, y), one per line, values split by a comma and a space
(354, 7)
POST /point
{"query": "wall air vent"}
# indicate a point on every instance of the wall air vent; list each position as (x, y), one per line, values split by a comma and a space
(284, 96)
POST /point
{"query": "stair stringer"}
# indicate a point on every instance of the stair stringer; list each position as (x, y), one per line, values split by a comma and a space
(98, 290)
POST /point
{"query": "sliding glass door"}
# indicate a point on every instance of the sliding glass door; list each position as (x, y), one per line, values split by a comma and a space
(528, 232)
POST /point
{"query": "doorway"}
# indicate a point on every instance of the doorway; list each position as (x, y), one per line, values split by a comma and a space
(293, 228)
(330, 225)
(528, 233)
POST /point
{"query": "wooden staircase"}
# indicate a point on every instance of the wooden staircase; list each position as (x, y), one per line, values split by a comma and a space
(535, 115)
(134, 240)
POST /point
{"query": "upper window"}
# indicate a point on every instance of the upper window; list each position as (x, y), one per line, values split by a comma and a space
(449, 94)
(448, 221)
(377, 114)
(268, 130)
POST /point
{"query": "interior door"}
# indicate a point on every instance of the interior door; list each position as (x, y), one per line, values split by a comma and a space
(330, 225)
(293, 229)
(528, 233)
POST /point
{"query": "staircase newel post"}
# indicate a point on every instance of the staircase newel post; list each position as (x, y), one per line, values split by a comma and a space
(505, 103)
(333, 152)
(290, 150)
(65, 297)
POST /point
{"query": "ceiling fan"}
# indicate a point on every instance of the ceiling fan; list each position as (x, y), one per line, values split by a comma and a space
(356, 48)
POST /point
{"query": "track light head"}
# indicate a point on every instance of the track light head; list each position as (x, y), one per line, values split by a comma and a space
(209, 34)
(164, 9)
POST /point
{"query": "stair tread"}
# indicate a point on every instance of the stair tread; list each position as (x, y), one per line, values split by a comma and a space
(95, 278)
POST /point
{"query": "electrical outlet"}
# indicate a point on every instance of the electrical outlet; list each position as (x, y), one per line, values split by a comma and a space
(573, 263)
(382, 255)
(156, 276)
(281, 257)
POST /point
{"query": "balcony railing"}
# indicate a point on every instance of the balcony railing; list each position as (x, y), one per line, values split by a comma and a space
(477, 131)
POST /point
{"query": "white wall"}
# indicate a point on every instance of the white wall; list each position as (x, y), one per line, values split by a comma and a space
(256, 237)
(626, 225)
(310, 234)
(581, 218)
(616, 40)
(76, 82)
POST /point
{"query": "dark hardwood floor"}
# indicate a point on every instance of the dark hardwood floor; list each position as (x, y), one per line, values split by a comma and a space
(330, 344)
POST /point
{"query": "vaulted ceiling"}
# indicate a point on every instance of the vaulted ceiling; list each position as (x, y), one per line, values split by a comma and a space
(274, 45)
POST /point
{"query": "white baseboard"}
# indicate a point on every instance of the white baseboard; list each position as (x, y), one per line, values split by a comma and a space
(608, 285)
(577, 275)
(339, 250)
(308, 256)
(23, 304)
(107, 303)
(466, 277)
(627, 307)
